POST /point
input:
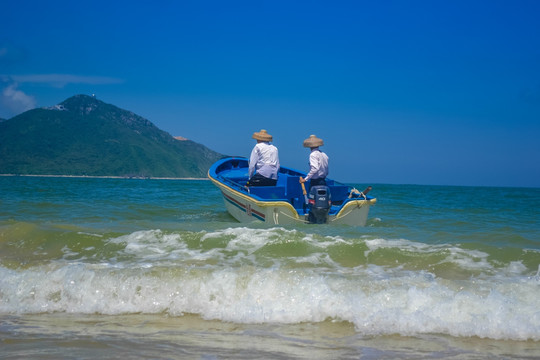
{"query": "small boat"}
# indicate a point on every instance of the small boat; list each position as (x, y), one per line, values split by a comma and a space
(288, 202)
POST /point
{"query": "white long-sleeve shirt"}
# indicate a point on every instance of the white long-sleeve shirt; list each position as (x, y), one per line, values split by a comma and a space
(318, 165)
(265, 160)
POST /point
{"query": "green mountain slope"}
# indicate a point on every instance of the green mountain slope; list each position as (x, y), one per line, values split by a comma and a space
(85, 136)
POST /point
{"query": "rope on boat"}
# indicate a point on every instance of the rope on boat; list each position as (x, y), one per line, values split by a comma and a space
(359, 193)
(350, 211)
(297, 219)
(341, 217)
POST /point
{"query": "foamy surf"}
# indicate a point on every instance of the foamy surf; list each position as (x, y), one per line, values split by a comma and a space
(249, 276)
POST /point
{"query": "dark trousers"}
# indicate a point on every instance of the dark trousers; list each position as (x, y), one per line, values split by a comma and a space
(259, 180)
(315, 182)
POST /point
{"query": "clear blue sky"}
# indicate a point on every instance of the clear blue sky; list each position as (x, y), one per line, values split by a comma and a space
(402, 92)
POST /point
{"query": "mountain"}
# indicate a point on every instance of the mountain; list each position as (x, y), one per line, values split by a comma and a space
(85, 136)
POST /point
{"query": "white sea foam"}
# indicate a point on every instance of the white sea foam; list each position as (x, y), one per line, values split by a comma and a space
(163, 274)
(376, 300)
(464, 258)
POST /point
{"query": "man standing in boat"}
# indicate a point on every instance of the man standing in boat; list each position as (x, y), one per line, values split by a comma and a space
(318, 162)
(264, 161)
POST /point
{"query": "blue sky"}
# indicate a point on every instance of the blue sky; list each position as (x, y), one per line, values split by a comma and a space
(402, 92)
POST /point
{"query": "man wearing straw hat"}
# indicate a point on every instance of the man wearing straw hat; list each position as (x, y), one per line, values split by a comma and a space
(264, 161)
(318, 162)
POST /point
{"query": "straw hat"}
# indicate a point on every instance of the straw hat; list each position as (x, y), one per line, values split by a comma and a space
(262, 135)
(313, 141)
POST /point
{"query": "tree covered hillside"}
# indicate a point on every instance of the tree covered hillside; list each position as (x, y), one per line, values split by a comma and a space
(85, 136)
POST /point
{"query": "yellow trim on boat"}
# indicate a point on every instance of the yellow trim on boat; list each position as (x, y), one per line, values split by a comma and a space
(355, 203)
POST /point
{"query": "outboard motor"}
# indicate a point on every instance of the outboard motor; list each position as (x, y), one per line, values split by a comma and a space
(320, 202)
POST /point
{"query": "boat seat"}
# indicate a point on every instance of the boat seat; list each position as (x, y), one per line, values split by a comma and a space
(339, 192)
(294, 189)
(282, 180)
(268, 192)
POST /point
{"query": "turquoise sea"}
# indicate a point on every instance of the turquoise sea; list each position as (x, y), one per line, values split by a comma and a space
(154, 268)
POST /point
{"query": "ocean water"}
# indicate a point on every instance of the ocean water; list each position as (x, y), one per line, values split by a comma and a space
(146, 268)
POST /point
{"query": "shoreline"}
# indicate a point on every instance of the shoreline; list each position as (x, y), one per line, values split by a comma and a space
(105, 177)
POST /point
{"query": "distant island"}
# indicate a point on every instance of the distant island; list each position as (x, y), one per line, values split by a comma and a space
(83, 136)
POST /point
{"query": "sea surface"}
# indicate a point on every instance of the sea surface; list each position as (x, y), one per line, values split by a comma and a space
(152, 268)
